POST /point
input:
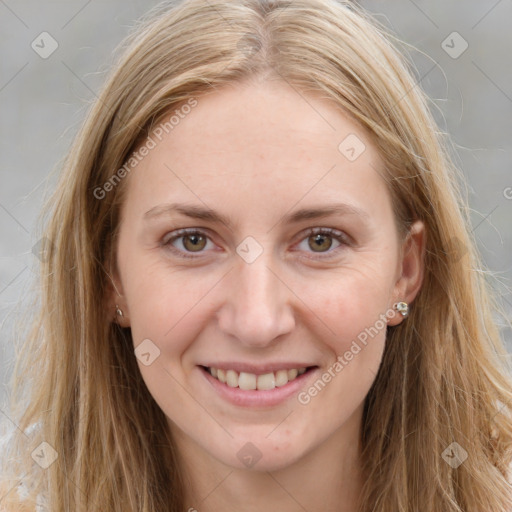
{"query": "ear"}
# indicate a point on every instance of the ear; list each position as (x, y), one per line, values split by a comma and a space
(411, 268)
(117, 306)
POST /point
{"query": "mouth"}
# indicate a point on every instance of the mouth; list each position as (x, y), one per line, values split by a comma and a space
(263, 389)
(251, 381)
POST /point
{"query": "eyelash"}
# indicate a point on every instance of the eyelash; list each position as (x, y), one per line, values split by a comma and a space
(334, 233)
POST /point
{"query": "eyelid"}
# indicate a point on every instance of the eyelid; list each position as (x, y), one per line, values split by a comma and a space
(335, 233)
(178, 233)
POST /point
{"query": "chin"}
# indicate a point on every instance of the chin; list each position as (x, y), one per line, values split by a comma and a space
(261, 453)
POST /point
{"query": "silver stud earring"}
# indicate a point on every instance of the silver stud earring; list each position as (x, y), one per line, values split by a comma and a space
(402, 308)
(119, 311)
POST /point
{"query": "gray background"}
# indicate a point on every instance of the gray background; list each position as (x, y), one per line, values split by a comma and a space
(43, 101)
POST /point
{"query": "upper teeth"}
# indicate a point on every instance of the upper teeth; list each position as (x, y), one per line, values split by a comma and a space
(249, 381)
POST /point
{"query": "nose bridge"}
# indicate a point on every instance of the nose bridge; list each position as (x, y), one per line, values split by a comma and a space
(258, 307)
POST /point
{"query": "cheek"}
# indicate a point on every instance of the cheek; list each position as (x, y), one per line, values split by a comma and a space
(352, 309)
(358, 341)
(357, 327)
(349, 301)
(166, 305)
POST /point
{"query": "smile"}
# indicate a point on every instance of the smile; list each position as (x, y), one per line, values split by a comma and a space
(251, 381)
(269, 387)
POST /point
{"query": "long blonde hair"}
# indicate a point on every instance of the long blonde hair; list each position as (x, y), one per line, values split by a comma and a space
(444, 376)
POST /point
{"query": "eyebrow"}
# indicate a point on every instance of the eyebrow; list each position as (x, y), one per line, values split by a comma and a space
(204, 213)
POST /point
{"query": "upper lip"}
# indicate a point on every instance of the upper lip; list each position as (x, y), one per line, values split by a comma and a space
(257, 369)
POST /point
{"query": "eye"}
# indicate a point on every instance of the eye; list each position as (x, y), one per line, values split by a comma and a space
(193, 240)
(320, 240)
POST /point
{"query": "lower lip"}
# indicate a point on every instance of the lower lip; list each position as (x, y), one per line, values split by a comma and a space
(257, 398)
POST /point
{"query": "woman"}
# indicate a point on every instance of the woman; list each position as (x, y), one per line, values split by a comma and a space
(202, 344)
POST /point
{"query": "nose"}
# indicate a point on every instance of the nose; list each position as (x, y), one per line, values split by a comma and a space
(257, 307)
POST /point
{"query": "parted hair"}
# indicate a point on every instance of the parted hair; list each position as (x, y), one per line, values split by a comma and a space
(445, 374)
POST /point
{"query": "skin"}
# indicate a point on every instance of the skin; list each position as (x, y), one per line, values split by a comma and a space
(256, 152)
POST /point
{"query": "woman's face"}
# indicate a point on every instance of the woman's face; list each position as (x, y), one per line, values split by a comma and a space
(257, 296)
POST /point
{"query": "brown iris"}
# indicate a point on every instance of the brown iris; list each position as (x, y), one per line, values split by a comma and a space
(320, 242)
(197, 242)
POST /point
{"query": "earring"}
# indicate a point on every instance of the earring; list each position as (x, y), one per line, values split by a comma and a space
(119, 311)
(402, 308)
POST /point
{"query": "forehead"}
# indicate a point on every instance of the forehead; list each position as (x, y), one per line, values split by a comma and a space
(263, 145)
(258, 118)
